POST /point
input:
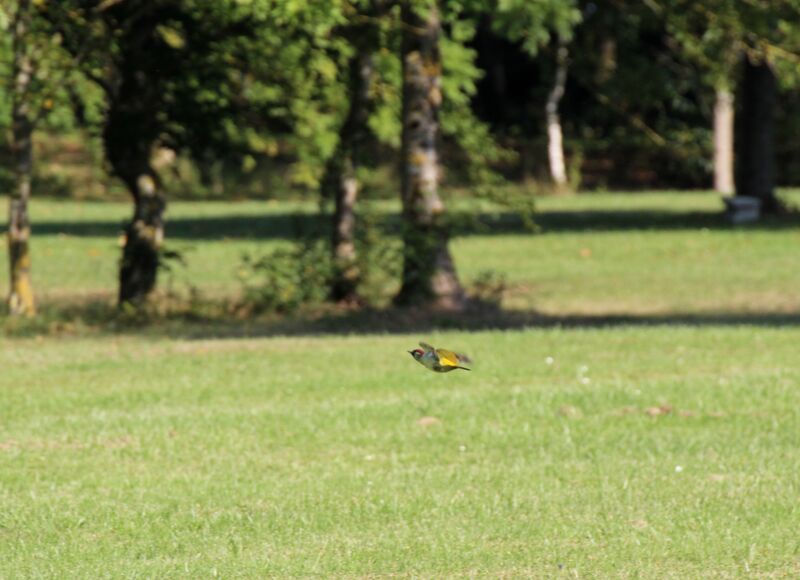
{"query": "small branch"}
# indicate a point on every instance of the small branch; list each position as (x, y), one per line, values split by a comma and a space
(635, 120)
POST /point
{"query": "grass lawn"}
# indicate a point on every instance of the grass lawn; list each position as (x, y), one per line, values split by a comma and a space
(666, 446)
(596, 254)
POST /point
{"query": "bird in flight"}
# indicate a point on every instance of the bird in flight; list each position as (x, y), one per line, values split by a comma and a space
(439, 360)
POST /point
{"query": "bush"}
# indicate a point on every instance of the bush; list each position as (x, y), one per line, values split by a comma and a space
(489, 287)
(287, 278)
(380, 258)
(300, 275)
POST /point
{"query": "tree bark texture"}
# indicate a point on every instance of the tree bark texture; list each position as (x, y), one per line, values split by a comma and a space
(20, 298)
(555, 140)
(429, 274)
(723, 141)
(129, 134)
(756, 140)
(342, 182)
(144, 236)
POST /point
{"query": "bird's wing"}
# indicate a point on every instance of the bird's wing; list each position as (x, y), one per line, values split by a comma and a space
(426, 347)
(462, 358)
(448, 358)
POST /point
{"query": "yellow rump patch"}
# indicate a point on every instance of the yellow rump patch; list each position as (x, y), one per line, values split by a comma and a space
(447, 357)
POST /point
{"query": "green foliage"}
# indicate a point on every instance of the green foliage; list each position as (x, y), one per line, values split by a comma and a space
(298, 275)
(385, 119)
(285, 279)
(633, 96)
(293, 96)
(471, 151)
(222, 81)
(477, 151)
(260, 83)
(380, 257)
(710, 38)
(59, 97)
(533, 22)
(717, 33)
(489, 287)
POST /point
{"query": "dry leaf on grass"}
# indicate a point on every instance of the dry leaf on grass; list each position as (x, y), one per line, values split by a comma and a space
(428, 421)
(657, 411)
(570, 411)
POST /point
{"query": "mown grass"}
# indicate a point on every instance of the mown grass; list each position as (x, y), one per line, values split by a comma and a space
(657, 452)
(586, 446)
(654, 253)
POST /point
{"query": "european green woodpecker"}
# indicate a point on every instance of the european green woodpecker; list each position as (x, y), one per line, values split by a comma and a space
(438, 360)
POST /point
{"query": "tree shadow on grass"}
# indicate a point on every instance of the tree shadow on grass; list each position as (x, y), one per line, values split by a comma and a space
(294, 225)
(562, 221)
(376, 322)
(264, 227)
(101, 317)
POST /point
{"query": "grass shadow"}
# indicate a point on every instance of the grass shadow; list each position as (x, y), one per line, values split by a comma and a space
(219, 321)
(371, 322)
(292, 225)
(264, 227)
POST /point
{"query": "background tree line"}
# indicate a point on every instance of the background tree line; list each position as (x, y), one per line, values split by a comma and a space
(615, 92)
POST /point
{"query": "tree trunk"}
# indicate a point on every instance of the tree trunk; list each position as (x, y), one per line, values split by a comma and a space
(20, 298)
(555, 146)
(756, 141)
(129, 135)
(342, 182)
(429, 275)
(144, 236)
(723, 141)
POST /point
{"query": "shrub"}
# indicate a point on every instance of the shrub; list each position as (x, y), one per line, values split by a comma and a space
(287, 278)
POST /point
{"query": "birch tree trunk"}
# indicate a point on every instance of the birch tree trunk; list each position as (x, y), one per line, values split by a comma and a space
(342, 181)
(756, 156)
(429, 275)
(555, 145)
(723, 141)
(20, 298)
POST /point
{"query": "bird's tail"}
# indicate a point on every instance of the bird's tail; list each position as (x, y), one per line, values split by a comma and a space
(464, 368)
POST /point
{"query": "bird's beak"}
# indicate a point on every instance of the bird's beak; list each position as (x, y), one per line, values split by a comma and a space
(411, 352)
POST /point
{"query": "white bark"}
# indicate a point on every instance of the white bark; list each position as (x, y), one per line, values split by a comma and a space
(555, 140)
(723, 142)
